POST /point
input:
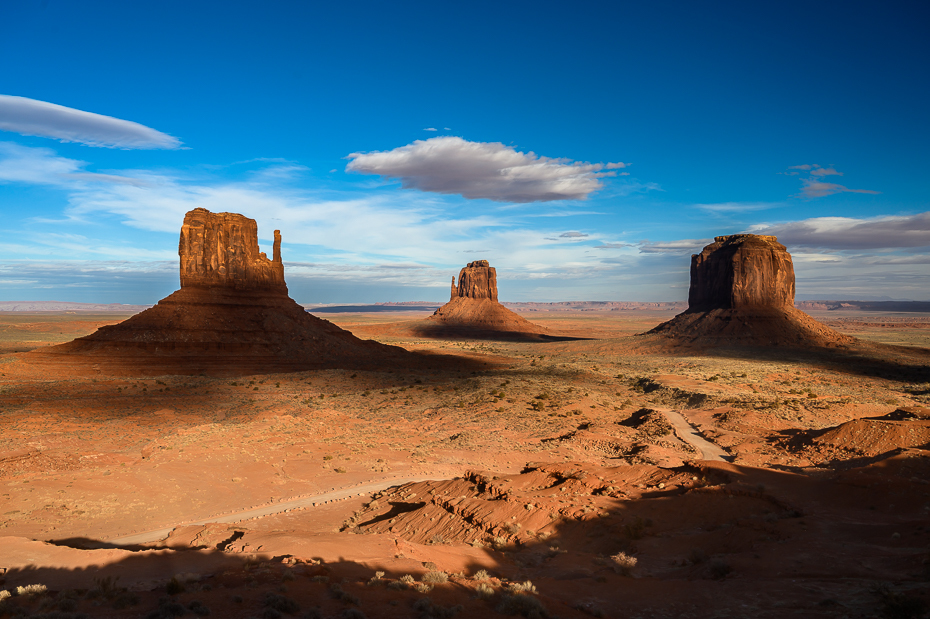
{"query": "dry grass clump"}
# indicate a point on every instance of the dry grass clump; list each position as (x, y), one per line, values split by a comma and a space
(4, 594)
(31, 590)
(484, 591)
(624, 563)
(481, 575)
(435, 577)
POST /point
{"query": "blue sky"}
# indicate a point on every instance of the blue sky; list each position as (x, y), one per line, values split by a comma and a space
(585, 151)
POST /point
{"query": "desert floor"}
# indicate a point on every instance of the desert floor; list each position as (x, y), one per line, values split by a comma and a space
(583, 477)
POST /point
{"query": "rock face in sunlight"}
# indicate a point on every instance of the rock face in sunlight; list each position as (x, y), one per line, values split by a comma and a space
(220, 250)
(474, 308)
(232, 316)
(742, 294)
(478, 280)
(741, 271)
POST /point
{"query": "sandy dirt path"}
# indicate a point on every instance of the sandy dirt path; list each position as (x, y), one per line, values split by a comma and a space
(689, 434)
(268, 510)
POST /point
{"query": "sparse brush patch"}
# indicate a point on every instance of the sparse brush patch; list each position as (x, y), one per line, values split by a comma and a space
(435, 577)
(481, 575)
(30, 590)
(422, 587)
(522, 604)
(343, 596)
(624, 563)
(376, 579)
(280, 603)
(512, 528)
(320, 578)
(522, 587)
(174, 587)
(197, 607)
(429, 610)
(484, 591)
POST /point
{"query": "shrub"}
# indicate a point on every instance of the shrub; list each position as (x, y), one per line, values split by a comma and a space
(624, 563)
(481, 575)
(174, 587)
(281, 603)
(522, 604)
(31, 590)
(435, 578)
(522, 587)
(198, 608)
(484, 591)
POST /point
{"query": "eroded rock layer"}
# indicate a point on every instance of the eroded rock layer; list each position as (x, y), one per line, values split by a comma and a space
(742, 293)
(232, 316)
(220, 250)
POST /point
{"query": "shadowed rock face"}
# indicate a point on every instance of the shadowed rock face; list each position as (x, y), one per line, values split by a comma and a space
(742, 294)
(478, 280)
(220, 250)
(741, 271)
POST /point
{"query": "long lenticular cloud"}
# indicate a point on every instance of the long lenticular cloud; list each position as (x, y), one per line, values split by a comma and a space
(488, 170)
(48, 120)
(889, 232)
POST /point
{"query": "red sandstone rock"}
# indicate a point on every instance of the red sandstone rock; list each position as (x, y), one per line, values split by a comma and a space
(474, 308)
(742, 293)
(741, 271)
(221, 251)
(478, 280)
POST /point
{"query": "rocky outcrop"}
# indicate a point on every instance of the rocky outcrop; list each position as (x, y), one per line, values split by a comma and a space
(220, 250)
(473, 309)
(741, 271)
(232, 316)
(478, 280)
(742, 294)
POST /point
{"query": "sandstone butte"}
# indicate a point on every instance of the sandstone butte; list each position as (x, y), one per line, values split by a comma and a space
(742, 293)
(231, 316)
(473, 308)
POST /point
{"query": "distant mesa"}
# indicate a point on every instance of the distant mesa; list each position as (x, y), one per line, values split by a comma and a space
(473, 309)
(232, 316)
(742, 293)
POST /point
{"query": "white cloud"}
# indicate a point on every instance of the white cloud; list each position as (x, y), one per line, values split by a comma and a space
(430, 129)
(889, 232)
(573, 235)
(48, 120)
(489, 170)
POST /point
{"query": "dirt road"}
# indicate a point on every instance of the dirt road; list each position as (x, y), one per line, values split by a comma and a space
(688, 433)
(267, 510)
